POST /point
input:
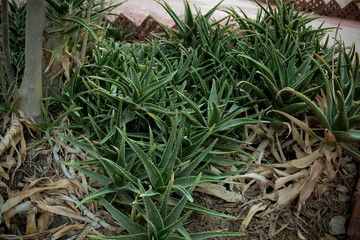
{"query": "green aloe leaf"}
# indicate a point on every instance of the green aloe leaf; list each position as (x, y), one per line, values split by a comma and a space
(193, 164)
(115, 170)
(350, 136)
(169, 145)
(354, 121)
(189, 19)
(152, 212)
(99, 132)
(150, 89)
(112, 188)
(164, 202)
(182, 191)
(226, 125)
(166, 232)
(195, 108)
(317, 111)
(171, 162)
(55, 53)
(93, 175)
(206, 211)
(131, 226)
(341, 122)
(174, 16)
(85, 146)
(140, 236)
(354, 152)
(258, 91)
(205, 235)
(176, 211)
(81, 22)
(153, 172)
(214, 116)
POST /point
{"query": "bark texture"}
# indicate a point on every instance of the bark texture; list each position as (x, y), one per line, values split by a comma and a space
(31, 87)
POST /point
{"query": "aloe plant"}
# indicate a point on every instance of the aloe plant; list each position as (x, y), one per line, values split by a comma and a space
(153, 176)
(68, 19)
(190, 30)
(281, 25)
(17, 36)
(274, 52)
(336, 108)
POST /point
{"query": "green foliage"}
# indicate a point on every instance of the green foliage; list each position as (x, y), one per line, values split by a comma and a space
(17, 36)
(336, 108)
(279, 56)
(156, 116)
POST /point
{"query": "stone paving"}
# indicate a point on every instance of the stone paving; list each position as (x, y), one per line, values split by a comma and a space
(138, 10)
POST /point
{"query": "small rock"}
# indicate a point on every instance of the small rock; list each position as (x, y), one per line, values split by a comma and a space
(342, 189)
(343, 198)
(225, 224)
(337, 225)
(350, 168)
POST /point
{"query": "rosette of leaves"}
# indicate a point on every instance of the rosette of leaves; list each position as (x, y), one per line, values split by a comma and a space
(68, 19)
(156, 184)
(336, 108)
(215, 115)
(275, 52)
(279, 26)
(196, 31)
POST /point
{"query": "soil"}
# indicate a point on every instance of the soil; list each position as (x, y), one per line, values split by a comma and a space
(330, 199)
(279, 223)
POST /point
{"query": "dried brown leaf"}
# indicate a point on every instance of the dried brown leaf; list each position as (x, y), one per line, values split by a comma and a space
(83, 235)
(61, 210)
(253, 210)
(302, 162)
(280, 182)
(288, 194)
(30, 126)
(31, 222)
(65, 231)
(3, 174)
(11, 136)
(39, 182)
(44, 221)
(19, 197)
(329, 159)
(219, 191)
(79, 185)
(315, 172)
(297, 136)
(252, 175)
(21, 208)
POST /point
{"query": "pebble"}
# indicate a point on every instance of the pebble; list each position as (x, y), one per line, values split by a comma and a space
(337, 225)
(342, 189)
(343, 198)
(225, 224)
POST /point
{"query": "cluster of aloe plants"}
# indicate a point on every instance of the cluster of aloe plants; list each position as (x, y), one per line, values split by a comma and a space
(156, 116)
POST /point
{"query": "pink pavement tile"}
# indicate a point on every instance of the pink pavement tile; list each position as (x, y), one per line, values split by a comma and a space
(138, 10)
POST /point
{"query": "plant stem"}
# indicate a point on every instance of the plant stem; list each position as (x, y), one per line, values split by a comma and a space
(83, 50)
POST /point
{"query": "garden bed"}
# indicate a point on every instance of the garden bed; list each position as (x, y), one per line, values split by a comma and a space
(242, 131)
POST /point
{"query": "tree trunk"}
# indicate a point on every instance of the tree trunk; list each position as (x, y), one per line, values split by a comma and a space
(31, 87)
